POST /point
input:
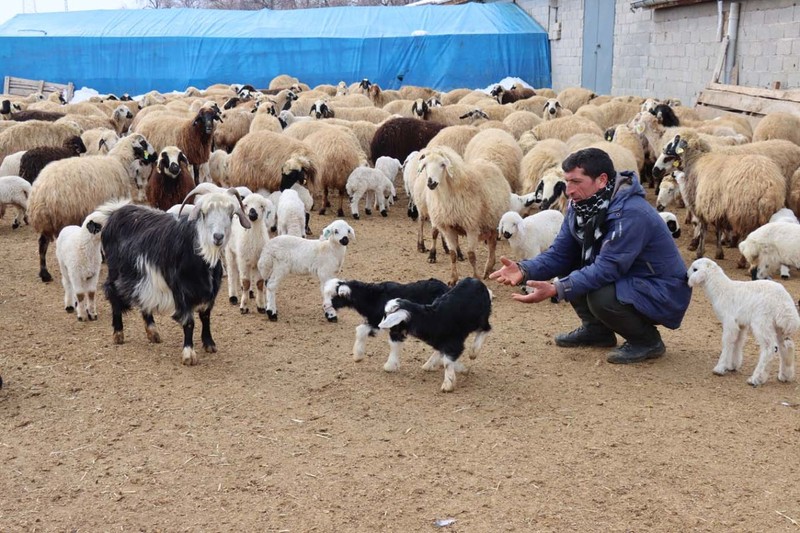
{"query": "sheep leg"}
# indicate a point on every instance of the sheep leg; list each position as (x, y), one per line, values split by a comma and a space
(421, 239)
(327, 305)
(720, 252)
(737, 359)
(44, 242)
(451, 237)
(393, 362)
(261, 305)
(272, 287)
(369, 202)
(701, 244)
(80, 308)
(472, 245)
(233, 277)
(308, 229)
(786, 369)
(491, 241)
(784, 272)
(340, 211)
(20, 215)
(434, 238)
(433, 362)
(354, 204)
(69, 294)
(382, 206)
(477, 344)
(412, 210)
(359, 349)
(150, 328)
(91, 306)
(449, 383)
(768, 344)
(730, 333)
(244, 307)
(325, 202)
(205, 332)
(189, 356)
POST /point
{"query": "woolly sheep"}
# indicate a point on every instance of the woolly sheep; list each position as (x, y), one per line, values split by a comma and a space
(27, 135)
(271, 161)
(778, 126)
(234, 124)
(455, 137)
(37, 158)
(564, 128)
(170, 180)
(398, 137)
(573, 98)
(79, 258)
(244, 249)
(291, 216)
(14, 191)
(218, 163)
(763, 306)
(338, 154)
(521, 121)
(511, 95)
(10, 165)
(287, 254)
(468, 197)
(543, 156)
(99, 141)
(553, 109)
(66, 191)
(500, 148)
(530, 236)
(609, 114)
(551, 190)
(369, 183)
(773, 245)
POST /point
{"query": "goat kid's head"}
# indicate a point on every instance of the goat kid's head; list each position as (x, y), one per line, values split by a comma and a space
(142, 150)
(393, 315)
(700, 270)
(338, 231)
(172, 161)
(671, 157)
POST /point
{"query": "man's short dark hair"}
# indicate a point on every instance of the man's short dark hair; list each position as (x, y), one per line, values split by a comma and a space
(593, 161)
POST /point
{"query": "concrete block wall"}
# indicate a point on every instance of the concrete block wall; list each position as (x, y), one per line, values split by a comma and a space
(672, 52)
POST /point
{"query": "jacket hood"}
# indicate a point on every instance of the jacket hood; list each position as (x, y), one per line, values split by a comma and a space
(627, 185)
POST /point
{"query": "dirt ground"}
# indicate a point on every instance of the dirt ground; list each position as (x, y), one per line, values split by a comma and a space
(282, 431)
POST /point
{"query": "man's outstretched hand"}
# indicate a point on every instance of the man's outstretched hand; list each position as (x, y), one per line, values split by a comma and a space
(508, 274)
(542, 290)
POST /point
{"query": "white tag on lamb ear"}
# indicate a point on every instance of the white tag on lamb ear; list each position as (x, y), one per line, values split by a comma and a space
(639, 128)
(679, 150)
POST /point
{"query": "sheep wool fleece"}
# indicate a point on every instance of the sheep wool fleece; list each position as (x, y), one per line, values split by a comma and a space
(635, 252)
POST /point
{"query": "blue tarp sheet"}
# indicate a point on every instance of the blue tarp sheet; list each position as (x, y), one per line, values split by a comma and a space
(134, 51)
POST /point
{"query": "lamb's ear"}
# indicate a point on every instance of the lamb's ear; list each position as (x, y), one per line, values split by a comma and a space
(101, 144)
(326, 233)
(531, 200)
(393, 319)
(93, 227)
(447, 164)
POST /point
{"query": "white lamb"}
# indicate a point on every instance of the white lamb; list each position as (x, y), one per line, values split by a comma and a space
(522, 204)
(287, 254)
(291, 214)
(14, 191)
(78, 253)
(530, 236)
(305, 197)
(773, 245)
(785, 215)
(244, 250)
(764, 306)
(10, 165)
(374, 185)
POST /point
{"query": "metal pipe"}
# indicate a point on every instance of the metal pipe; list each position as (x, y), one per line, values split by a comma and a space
(733, 30)
(720, 19)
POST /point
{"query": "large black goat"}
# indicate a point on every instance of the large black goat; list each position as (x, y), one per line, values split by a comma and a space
(369, 300)
(444, 325)
(162, 264)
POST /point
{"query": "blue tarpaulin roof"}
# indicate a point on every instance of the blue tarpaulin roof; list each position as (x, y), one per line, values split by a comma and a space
(134, 51)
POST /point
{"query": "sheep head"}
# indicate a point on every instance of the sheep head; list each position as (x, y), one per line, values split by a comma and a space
(297, 169)
(257, 207)
(433, 101)
(671, 157)
(475, 114)
(509, 223)
(497, 92)
(700, 270)
(550, 188)
(665, 115)
(142, 150)
(320, 109)
(420, 108)
(339, 232)
(341, 89)
(437, 165)
(551, 107)
(75, 145)
(364, 85)
(204, 120)
(668, 192)
(172, 162)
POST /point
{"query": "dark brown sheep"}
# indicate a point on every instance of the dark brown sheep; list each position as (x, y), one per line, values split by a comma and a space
(399, 137)
(35, 159)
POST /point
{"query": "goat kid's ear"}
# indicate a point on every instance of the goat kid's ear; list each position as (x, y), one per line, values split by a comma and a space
(393, 319)
(93, 227)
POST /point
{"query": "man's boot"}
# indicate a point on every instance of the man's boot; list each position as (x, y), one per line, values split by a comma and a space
(592, 335)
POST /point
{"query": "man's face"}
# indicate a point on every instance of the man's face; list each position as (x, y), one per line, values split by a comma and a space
(580, 186)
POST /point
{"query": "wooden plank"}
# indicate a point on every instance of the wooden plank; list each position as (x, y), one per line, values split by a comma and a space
(708, 112)
(723, 47)
(6, 83)
(792, 95)
(750, 104)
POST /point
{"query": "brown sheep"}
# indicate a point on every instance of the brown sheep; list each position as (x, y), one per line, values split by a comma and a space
(170, 180)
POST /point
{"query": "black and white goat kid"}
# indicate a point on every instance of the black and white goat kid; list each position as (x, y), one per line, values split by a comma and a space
(369, 300)
(162, 264)
(444, 325)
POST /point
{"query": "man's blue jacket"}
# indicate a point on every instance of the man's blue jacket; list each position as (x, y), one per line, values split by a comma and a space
(636, 252)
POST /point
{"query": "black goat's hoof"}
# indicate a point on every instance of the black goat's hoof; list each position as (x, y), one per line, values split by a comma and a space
(384, 213)
(233, 300)
(261, 310)
(272, 315)
(333, 318)
(368, 211)
(356, 216)
(69, 309)
(210, 348)
(340, 213)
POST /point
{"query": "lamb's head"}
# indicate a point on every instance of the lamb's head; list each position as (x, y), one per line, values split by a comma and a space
(700, 270)
(75, 145)
(649, 104)
(420, 108)
(192, 92)
(497, 92)
(94, 223)
(550, 188)
(122, 116)
(668, 191)
(509, 224)
(257, 207)
(671, 157)
(390, 167)
(672, 223)
(394, 316)
(551, 108)
(266, 106)
(205, 118)
(338, 231)
(665, 115)
(297, 169)
(364, 85)
(751, 251)
(212, 214)
(643, 122)
(437, 165)
(320, 109)
(475, 114)
(142, 150)
(338, 292)
(172, 162)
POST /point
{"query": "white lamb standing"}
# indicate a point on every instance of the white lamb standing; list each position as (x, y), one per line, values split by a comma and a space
(764, 306)
(14, 191)
(773, 245)
(244, 250)
(79, 258)
(530, 236)
(374, 184)
(291, 214)
(305, 197)
(785, 215)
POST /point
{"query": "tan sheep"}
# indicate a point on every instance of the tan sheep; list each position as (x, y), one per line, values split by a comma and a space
(624, 136)
(454, 137)
(543, 155)
(368, 114)
(498, 147)
(553, 109)
(35, 133)
(265, 118)
(778, 126)
(609, 114)
(534, 104)
(271, 161)
(465, 199)
(546, 92)
(573, 98)
(521, 121)
(67, 190)
(401, 108)
(338, 154)
(283, 81)
(497, 111)
(453, 97)
(234, 125)
(564, 128)
(218, 163)
(99, 141)
(492, 125)
(412, 92)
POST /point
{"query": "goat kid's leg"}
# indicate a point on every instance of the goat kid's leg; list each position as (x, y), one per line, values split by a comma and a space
(730, 333)
(786, 369)
(327, 305)
(205, 333)
(359, 347)
(433, 362)
(44, 242)
(449, 383)
(150, 328)
(701, 243)
(393, 362)
(382, 206)
(244, 307)
(477, 344)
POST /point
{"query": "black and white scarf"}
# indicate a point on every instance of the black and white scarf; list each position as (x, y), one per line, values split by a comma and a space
(590, 217)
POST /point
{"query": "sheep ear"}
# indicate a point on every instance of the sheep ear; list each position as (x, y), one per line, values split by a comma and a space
(101, 143)
(326, 233)
(697, 278)
(393, 319)
(531, 200)
(93, 227)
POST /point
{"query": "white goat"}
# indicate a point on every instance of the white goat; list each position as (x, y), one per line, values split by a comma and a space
(244, 250)
(78, 253)
(764, 306)
(287, 254)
